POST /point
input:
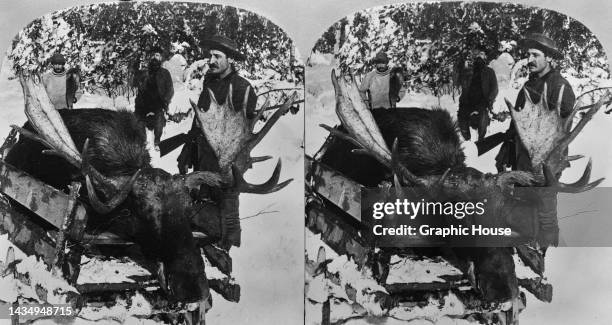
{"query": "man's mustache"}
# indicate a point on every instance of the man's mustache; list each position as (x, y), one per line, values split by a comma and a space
(531, 65)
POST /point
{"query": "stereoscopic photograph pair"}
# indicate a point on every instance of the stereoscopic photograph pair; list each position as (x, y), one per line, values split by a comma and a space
(183, 163)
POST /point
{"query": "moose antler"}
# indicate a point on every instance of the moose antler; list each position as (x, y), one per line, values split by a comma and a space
(52, 132)
(231, 135)
(546, 136)
(362, 129)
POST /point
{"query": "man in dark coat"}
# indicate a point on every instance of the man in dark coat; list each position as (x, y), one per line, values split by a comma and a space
(541, 51)
(479, 89)
(155, 91)
(197, 152)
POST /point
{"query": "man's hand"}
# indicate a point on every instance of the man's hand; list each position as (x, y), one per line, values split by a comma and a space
(194, 180)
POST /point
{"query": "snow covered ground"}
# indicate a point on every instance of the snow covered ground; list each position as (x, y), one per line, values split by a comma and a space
(269, 264)
(358, 302)
(573, 272)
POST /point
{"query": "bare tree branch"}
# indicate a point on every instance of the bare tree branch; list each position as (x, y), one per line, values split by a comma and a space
(577, 214)
(262, 212)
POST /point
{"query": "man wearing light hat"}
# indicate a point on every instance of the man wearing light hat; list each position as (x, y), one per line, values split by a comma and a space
(377, 87)
(55, 82)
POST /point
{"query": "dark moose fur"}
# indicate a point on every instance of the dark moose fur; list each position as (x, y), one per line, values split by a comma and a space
(427, 139)
(427, 142)
(156, 214)
(116, 147)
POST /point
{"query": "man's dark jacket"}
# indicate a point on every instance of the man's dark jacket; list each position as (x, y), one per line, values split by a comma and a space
(554, 81)
(485, 95)
(155, 91)
(220, 87)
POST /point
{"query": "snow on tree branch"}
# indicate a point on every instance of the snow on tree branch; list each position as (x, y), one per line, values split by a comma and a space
(109, 41)
(430, 40)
